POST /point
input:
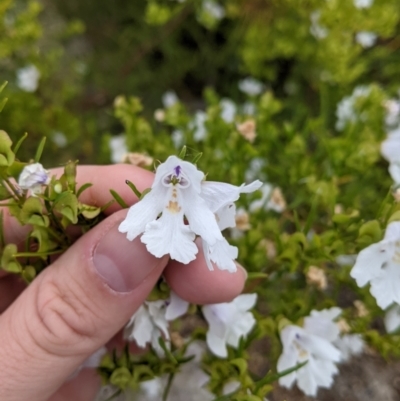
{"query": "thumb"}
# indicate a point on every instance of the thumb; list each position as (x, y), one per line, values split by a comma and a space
(73, 308)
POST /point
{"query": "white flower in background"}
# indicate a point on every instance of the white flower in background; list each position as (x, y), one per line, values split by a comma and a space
(169, 98)
(178, 192)
(316, 276)
(214, 9)
(33, 177)
(198, 125)
(220, 198)
(366, 39)
(150, 321)
(390, 150)
(59, 139)
(363, 3)
(316, 29)
(159, 115)
(229, 322)
(345, 111)
(392, 319)
(178, 138)
(346, 260)
(255, 169)
(379, 265)
(188, 384)
(349, 345)
(28, 78)
(249, 108)
(251, 86)
(228, 110)
(118, 148)
(271, 199)
(392, 117)
(312, 343)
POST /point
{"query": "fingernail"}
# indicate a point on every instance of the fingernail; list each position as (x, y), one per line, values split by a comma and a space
(240, 267)
(121, 263)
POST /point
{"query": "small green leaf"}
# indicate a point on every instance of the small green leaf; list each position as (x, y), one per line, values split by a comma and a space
(121, 377)
(88, 211)
(7, 156)
(39, 150)
(15, 169)
(19, 143)
(182, 153)
(3, 103)
(83, 188)
(70, 174)
(32, 213)
(9, 262)
(132, 186)
(240, 364)
(3, 85)
(46, 244)
(28, 274)
(197, 158)
(67, 204)
(4, 194)
(118, 198)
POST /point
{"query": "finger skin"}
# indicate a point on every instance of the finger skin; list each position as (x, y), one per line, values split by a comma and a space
(65, 315)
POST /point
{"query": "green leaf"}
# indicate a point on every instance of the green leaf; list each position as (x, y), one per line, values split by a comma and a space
(4, 194)
(70, 174)
(121, 377)
(9, 262)
(46, 244)
(197, 158)
(7, 156)
(3, 85)
(3, 103)
(241, 365)
(118, 198)
(89, 212)
(19, 143)
(141, 373)
(39, 150)
(28, 274)
(15, 169)
(84, 187)
(32, 213)
(132, 186)
(182, 153)
(67, 204)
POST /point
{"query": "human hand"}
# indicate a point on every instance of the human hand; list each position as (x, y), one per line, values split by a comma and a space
(87, 295)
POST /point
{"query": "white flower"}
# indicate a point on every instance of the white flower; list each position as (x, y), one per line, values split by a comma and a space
(379, 265)
(228, 110)
(178, 138)
(390, 150)
(251, 86)
(346, 260)
(169, 98)
(349, 345)
(312, 343)
(271, 199)
(33, 177)
(392, 107)
(118, 148)
(392, 319)
(214, 9)
(198, 125)
(59, 139)
(28, 78)
(316, 29)
(345, 111)
(220, 198)
(363, 3)
(228, 322)
(150, 321)
(177, 193)
(366, 39)
(187, 385)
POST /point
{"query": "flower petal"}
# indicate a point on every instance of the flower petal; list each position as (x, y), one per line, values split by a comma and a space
(240, 328)
(214, 314)
(169, 235)
(392, 319)
(386, 287)
(219, 194)
(368, 264)
(143, 212)
(223, 255)
(244, 302)
(139, 328)
(286, 361)
(176, 308)
(216, 344)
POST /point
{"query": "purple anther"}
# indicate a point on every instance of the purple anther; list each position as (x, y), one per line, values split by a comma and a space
(177, 170)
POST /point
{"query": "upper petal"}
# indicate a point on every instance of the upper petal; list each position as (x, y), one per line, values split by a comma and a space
(368, 264)
(244, 302)
(219, 194)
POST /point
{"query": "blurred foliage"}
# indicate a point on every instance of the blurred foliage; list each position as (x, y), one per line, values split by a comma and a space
(104, 69)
